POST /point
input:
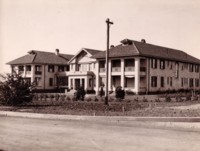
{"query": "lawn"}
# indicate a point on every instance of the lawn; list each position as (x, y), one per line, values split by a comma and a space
(139, 106)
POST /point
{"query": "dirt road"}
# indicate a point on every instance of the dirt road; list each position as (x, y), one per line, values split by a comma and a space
(26, 134)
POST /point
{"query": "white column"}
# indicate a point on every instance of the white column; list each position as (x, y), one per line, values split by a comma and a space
(73, 80)
(97, 77)
(122, 73)
(109, 75)
(32, 73)
(69, 82)
(42, 76)
(137, 75)
(24, 74)
(86, 83)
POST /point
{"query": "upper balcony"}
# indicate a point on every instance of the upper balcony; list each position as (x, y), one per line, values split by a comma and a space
(129, 66)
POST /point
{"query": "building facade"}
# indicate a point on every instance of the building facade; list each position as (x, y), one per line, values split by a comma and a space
(135, 66)
(141, 68)
(47, 70)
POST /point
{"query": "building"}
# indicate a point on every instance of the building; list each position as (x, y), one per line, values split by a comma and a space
(46, 69)
(141, 67)
(83, 69)
(137, 66)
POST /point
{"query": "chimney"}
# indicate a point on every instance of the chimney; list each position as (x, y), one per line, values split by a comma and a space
(143, 41)
(112, 46)
(57, 52)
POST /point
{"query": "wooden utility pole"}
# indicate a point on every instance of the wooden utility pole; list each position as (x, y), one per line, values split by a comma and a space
(108, 22)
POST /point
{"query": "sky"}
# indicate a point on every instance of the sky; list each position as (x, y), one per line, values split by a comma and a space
(70, 25)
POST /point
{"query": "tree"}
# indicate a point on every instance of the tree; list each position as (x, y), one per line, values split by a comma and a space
(14, 90)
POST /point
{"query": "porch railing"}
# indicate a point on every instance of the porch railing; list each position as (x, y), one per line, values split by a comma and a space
(116, 69)
(102, 69)
(128, 69)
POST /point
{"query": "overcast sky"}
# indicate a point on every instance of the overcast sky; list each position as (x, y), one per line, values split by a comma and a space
(74, 24)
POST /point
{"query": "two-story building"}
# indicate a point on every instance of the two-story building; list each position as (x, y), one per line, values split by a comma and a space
(47, 70)
(136, 66)
(141, 67)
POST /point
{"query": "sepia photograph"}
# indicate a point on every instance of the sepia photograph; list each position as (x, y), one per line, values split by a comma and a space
(99, 75)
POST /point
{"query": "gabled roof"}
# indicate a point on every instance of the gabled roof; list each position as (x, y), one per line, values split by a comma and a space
(92, 51)
(87, 50)
(135, 48)
(42, 57)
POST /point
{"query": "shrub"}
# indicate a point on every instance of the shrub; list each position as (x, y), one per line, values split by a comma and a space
(57, 96)
(136, 99)
(80, 94)
(88, 99)
(168, 99)
(101, 92)
(68, 98)
(157, 100)
(179, 98)
(62, 97)
(119, 93)
(144, 99)
(14, 90)
(35, 97)
(188, 98)
(96, 99)
(51, 96)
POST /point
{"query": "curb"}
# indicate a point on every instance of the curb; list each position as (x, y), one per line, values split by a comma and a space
(187, 123)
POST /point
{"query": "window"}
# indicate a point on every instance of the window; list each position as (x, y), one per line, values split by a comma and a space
(177, 70)
(50, 81)
(50, 68)
(170, 64)
(162, 64)
(191, 68)
(154, 63)
(196, 68)
(182, 82)
(21, 68)
(37, 68)
(197, 82)
(28, 68)
(90, 82)
(37, 81)
(171, 81)
(102, 64)
(185, 81)
(153, 81)
(167, 80)
(191, 82)
(67, 68)
(61, 68)
(162, 81)
(94, 65)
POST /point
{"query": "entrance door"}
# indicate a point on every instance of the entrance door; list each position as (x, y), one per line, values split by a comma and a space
(77, 83)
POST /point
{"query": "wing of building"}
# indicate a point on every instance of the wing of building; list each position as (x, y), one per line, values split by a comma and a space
(137, 66)
(141, 67)
(46, 69)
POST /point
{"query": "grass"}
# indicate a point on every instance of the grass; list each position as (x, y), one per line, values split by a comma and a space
(140, 106)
